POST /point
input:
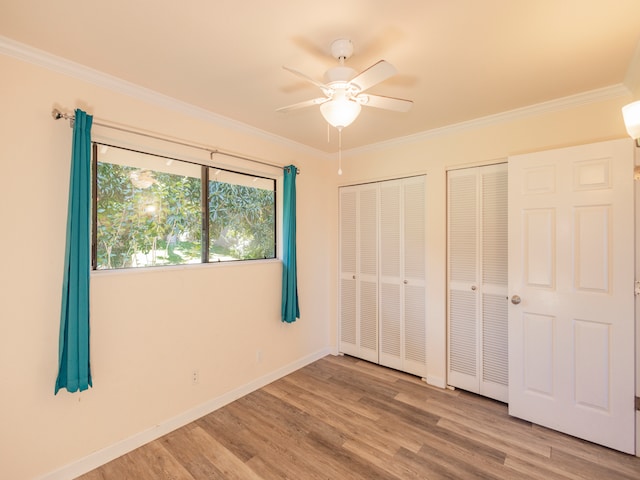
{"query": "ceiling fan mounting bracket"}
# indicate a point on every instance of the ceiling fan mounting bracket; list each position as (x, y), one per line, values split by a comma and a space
(341, 49)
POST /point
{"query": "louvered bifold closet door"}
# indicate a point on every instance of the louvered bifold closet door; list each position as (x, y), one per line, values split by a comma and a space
(391, 311)
(477, 272)
(494, 374)
(414, 277)
(402, 275)
(463, 308)
(358, 308)
(348, 258)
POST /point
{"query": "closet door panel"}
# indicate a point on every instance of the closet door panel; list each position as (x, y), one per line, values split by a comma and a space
(390, 274)
(494, 376)
(367, 276)
(463, 260)
(348, 258)
(414, 275)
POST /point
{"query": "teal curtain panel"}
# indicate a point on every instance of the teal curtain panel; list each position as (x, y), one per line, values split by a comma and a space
(74, 372)
(290, 307)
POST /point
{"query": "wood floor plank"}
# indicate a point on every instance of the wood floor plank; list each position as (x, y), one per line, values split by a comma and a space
(280, 458)
(587, 469)
(447, 443)
(376, 434)
(154, 462)
(518, 449)
(537, 470)
(326, 388)
(204, 457)
(284, 446)
(344, 418)
(625, 464)
(432, 467)
(498, 425)
(384, 459)
(223, 426)
(401, 411)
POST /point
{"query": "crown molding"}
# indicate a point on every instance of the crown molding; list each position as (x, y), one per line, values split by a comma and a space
(559, 104)
(44, 59)
(61, 65)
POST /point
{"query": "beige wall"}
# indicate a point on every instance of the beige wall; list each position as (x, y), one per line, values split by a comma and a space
(151, 328)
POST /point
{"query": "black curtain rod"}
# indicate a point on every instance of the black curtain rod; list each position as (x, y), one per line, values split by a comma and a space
(57, 115)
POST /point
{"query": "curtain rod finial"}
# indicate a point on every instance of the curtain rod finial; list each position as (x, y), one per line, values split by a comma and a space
(56, 114)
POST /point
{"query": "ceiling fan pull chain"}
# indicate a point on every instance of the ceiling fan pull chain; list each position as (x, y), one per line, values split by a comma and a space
(339, 151)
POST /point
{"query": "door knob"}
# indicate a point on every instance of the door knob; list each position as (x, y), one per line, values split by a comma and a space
(474, 288)
(516, 299)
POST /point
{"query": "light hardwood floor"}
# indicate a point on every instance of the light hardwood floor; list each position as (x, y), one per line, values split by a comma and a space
(343, 418)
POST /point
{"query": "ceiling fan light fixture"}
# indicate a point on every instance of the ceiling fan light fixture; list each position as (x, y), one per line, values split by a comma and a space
(340, 112)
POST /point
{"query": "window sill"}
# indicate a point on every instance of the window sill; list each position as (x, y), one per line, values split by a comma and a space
(173, 268)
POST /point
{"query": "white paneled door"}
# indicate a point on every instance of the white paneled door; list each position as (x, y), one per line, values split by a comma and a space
(571, 274)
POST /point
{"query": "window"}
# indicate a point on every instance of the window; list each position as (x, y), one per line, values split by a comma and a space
(149, 211)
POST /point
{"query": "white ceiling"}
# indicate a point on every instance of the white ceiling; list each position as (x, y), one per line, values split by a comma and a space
(458, 60)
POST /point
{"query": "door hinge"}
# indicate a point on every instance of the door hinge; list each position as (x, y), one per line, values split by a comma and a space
(636, 289)
(637, 404)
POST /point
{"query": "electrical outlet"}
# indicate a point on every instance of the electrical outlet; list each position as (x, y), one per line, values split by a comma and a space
(195, 377)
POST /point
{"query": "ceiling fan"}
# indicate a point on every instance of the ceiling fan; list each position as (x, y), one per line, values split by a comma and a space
(344, 89)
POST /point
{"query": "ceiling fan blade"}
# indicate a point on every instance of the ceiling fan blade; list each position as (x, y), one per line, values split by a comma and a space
(306, 103)
(376, 73)
(305, 77)
(388, 103)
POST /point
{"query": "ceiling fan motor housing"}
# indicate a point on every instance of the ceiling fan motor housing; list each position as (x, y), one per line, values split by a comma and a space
(339, 74)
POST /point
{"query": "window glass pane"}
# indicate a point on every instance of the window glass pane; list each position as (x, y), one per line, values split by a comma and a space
(148, 210)
(241, 216)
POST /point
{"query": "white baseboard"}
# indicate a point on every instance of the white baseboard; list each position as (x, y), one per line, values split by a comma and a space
(116, 450)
